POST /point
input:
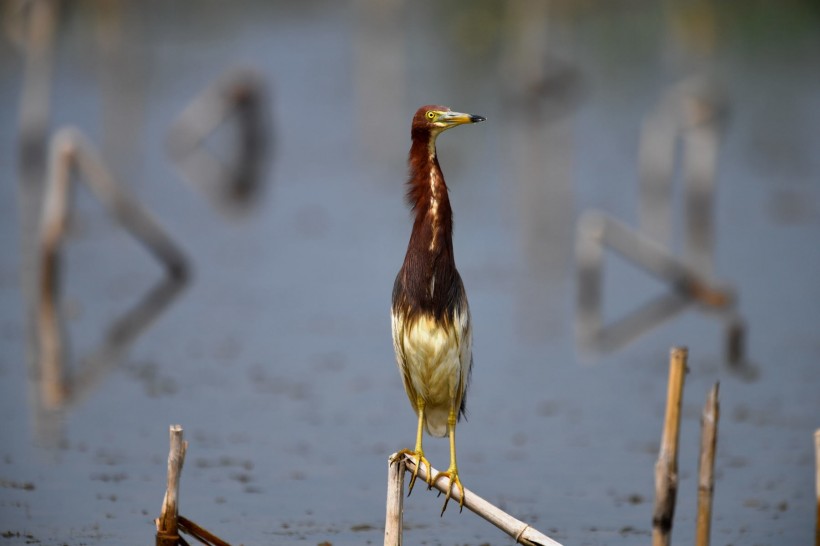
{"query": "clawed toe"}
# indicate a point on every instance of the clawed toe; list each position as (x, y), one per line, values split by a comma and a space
(452, 474)
(418, 459)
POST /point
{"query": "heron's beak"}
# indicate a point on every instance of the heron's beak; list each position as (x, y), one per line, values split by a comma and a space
(452, 119)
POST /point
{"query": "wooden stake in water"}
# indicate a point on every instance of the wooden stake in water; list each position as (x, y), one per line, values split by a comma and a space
(518, 530)
(395, 502)
(666, 468)
(167, 525)
(706, 480)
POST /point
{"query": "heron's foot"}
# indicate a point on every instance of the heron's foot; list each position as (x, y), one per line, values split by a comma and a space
(452, 473)
(418, 459)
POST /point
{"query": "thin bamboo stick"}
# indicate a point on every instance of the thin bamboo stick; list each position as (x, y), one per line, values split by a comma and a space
(201, 534)
(666, 468)
(521, 532)
(706, 479)
(395, 502)
(167, 525)
(817, 484)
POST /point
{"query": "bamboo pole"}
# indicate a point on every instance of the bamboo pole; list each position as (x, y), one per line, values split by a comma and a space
(53, 226)
(70, 148)
(817, 484)
(644, 252)
(666, 468)
(395, 502)
(231, 186)
(41, 24)
(521, 532)
(706, 479)
(167, 524)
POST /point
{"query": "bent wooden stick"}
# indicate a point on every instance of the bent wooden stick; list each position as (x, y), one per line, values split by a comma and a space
(521, 532)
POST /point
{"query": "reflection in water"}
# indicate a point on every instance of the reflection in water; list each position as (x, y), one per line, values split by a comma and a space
(597, 231)
(692, 112)
(379, 65)
(69, 150)
(31, 26)
(59, 387)
(120, 34)
(233, 186)
(34, 23)
(541, 91)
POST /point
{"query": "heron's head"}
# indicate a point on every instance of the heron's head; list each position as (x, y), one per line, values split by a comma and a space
(435, 119)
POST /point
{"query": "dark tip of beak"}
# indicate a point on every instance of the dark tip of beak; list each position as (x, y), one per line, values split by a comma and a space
(475, 119)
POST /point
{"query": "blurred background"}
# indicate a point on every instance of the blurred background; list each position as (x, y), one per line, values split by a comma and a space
(268, 140)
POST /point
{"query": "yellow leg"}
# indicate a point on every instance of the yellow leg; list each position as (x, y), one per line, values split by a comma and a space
(452, 470)
(418, 453)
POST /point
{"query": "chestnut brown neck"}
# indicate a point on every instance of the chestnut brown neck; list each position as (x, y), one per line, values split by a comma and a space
(429, 271)
(427, 194)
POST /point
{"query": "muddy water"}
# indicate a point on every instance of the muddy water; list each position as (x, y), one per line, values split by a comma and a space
(276, 356)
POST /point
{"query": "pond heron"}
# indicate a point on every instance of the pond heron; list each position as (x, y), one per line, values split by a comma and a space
(430, 316)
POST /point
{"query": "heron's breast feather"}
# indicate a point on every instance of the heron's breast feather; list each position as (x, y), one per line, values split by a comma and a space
(434, 357)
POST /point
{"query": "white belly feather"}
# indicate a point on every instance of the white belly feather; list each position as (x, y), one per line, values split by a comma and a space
(434, 361)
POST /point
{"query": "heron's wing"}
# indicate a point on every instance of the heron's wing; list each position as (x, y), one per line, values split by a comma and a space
(464, 335)
(398, 320)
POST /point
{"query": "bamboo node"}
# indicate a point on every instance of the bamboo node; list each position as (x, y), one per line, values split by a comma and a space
(521, 533)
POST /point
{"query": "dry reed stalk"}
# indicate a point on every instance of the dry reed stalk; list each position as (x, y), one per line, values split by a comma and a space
(666, 468)
(167, 524)
(395, 502)
(706, 479)
(518, 530)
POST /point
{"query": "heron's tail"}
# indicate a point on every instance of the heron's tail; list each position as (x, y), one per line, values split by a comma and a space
(436, 420)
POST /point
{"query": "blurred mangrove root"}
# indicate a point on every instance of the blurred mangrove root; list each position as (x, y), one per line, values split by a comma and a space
(706, 480)
(518, 530)
(666, 468)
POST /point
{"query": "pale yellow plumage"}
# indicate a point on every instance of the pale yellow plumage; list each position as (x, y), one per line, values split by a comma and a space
(434, 362)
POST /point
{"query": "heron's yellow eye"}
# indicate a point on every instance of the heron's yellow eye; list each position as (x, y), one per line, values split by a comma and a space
(431, 114)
